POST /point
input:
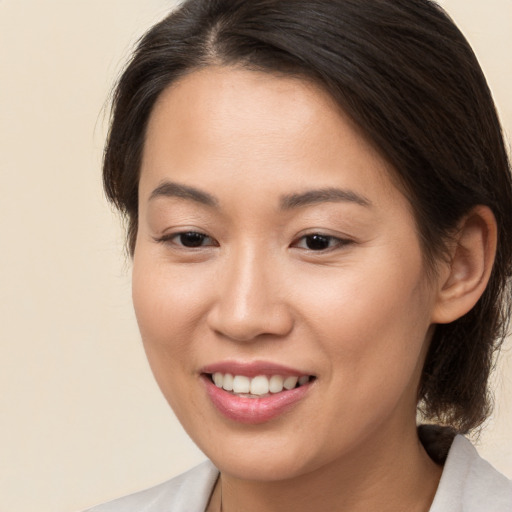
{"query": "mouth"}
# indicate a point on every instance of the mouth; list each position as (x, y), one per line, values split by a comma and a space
(259, 386)
(255, 393)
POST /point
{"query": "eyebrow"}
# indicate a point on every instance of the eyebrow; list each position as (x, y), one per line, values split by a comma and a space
(287, 202)
(323, 195)
(171, 189)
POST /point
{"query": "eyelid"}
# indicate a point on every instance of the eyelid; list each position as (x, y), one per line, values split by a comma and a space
(335, 241)
(169, 238)
(339, 241)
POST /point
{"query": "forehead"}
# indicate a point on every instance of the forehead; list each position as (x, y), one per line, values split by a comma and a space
(266, 129)
(235, 92)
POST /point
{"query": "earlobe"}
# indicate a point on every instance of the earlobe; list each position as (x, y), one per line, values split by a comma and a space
(467, 273)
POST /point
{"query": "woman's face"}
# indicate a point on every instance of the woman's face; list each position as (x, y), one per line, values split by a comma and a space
(272, 246)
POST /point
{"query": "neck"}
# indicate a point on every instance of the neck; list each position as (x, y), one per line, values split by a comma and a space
(385, 474)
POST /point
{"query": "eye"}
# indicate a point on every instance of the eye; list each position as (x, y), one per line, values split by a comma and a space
(319, 242)
(192, 239)
(188, 239)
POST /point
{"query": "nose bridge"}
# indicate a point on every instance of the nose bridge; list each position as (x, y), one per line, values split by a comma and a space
(249, 302)
(247, 283)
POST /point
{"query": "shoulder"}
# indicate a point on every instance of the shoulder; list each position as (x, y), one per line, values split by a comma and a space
(471, 484)
(188, 492)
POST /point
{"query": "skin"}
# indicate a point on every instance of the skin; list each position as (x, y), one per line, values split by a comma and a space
(357, 315)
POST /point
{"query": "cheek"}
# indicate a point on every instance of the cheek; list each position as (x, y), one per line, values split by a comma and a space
(374, 342)
(166, 300)
(167, 307)
(372, 321)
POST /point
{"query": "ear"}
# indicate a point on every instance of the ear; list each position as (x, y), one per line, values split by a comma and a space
(462, 279)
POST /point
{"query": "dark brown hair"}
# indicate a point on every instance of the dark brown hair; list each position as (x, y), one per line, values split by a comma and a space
(406, 75)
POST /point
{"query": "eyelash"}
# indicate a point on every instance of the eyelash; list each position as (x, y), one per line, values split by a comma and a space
(333, 242)
(172, 237)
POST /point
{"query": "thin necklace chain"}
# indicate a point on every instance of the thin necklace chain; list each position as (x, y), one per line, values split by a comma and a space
(220, 483)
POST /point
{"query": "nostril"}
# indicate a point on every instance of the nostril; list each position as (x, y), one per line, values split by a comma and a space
(248, 309)
(247, 327)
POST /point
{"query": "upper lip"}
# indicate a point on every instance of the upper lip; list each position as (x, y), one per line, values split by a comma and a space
(252, 369)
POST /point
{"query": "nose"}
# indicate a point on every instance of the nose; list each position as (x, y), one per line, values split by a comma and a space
(250, 300)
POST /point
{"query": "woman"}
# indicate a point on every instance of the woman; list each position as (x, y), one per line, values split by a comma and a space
(319, 198)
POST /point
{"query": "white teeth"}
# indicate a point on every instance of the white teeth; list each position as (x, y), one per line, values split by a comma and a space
(257, 386)
(217, 379)
(275, 384)
(302, 380)
(241, 384)
(290, 382)
(227, 384)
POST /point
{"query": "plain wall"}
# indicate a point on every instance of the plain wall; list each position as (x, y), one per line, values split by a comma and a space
(81, 419)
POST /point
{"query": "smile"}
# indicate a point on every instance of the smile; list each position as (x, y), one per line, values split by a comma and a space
(259, 386)
(255, 393)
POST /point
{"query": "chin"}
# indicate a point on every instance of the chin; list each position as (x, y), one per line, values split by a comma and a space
(261, 469)
(261, 457)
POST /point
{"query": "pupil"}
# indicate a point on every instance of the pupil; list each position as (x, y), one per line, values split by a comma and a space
(192, 239)
(317, 242)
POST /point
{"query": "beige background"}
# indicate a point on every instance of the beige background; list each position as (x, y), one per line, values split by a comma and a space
(81, 419)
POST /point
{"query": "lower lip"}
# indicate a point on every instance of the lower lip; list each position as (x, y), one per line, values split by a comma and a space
(253, 410)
